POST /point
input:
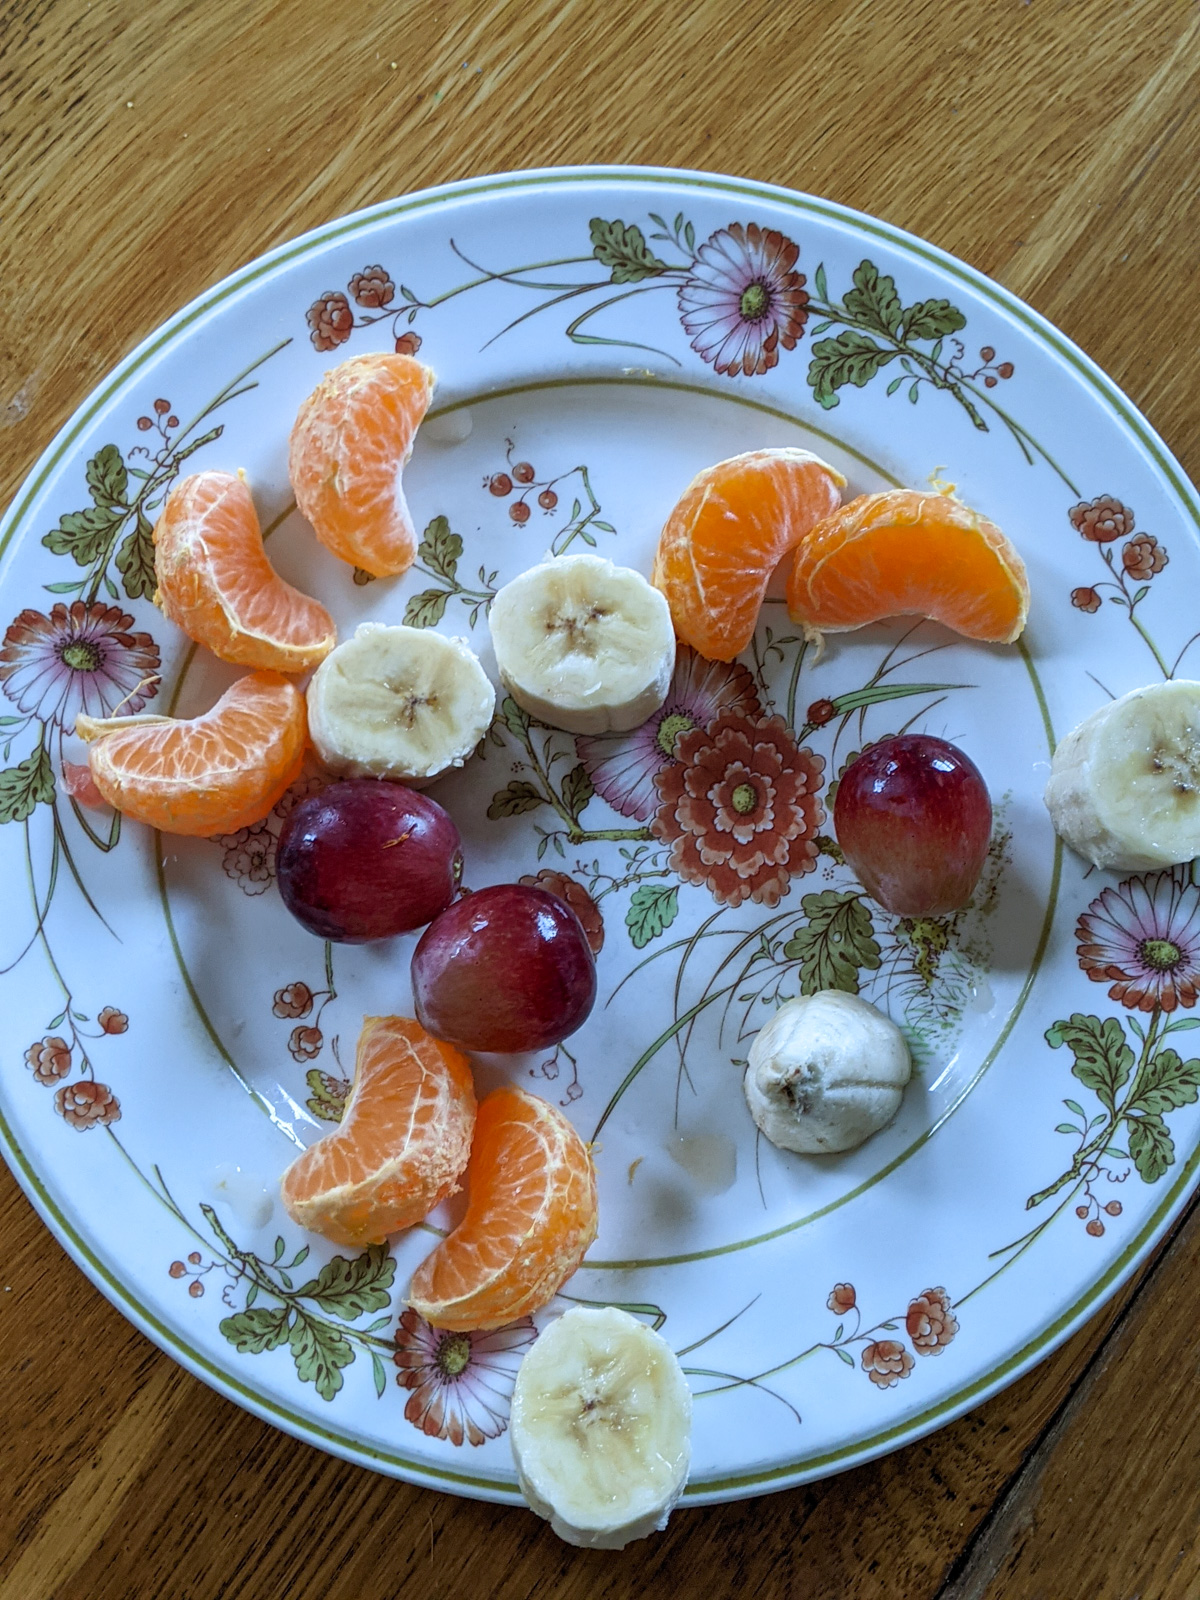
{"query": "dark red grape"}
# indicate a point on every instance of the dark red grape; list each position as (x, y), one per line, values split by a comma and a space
(365, 859)
(506, 969)
(914, 820)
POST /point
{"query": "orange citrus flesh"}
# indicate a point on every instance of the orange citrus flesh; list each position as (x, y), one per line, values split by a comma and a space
(215, 582)
(349, 444)
(909, 553)
(724, 539)
(531, 1215)
(400, 1147)
(204, 775)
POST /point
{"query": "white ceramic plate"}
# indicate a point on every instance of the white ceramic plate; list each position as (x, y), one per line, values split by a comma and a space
(171, 1035)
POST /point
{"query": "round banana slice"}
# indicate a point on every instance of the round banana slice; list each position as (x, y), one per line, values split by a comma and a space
(398, 703)
(826, 1073)
(601, 1428)
(1124, 787)
(584, 645)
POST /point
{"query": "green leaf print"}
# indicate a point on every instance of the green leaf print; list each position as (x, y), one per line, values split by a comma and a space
(516, 799)
(850, 358)
(135, 559)
(577, 790)
(1165, 1083)
(262, 1328)
(1103, 1059)
(1150, 1146)
(107, 478)
(349, 1287)
(440, 549)
(426, 610)
(28, 784)
(932, 319)
(515, 720)
(83, 535)
(320, 1352)
(836, 945)
(873, 301)
(625, 251)
(652, 910)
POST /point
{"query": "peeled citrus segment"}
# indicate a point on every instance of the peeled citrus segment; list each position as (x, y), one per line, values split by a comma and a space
(734, 524)
(349, 445)
(909, 553)
(215, 582)
(203, 775)
(400, 1147)
(531, 1215)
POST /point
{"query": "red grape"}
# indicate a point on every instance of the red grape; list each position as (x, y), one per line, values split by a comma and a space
(914, 821)
(365, 859)
(506, 969)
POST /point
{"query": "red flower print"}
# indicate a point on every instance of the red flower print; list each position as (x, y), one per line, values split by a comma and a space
(1102, 520)
(461, 1382)
(49, 1060)
(293, 1000)
(112, 1020)
(930, 1322)
(372, 288)
(576, 896)
(79, 658)
(739, 808)
(841, 1299)
(331, 320)
(742, 300)
(1143, 938)
(305, 1043)
(1143, 556)
(886, 1361)
(1085, 599)
(622, 766)
(408, 344)
(86, 1104)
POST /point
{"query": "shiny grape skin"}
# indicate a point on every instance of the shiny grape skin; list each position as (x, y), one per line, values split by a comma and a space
(505, 969)
(365, 859)
(914, 820)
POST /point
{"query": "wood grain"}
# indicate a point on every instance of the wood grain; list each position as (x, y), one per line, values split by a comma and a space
(147, 150)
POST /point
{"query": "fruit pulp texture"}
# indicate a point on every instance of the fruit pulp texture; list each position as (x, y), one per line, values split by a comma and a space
(531, 1215)
(914, 820)
(508, 968)
(401, 1146)
(209, 774)
(365, 859)
(905, 553)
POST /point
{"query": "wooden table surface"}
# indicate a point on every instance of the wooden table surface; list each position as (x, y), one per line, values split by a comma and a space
(148, 149)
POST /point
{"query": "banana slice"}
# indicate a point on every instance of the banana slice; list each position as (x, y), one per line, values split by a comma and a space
(398, 703)
(584, 645)
(601, 1428)
(1124, 786)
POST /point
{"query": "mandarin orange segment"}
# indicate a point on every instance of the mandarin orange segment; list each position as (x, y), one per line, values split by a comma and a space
(203, 775)
(531, 1215)
(215, 582)
(401, 1146)
(734, 524)
(348, 447)
(909, 553)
